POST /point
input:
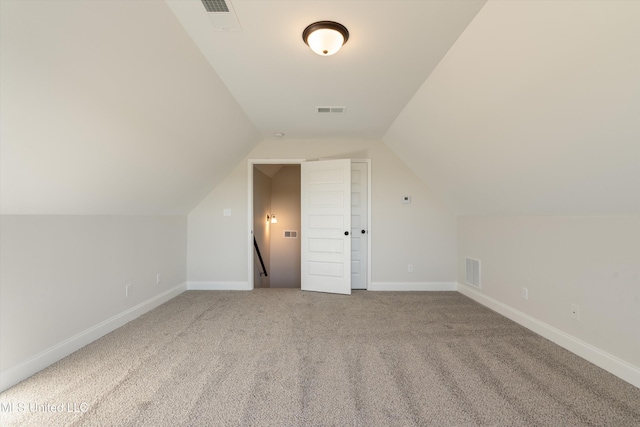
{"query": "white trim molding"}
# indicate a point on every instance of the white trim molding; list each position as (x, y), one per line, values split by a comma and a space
(219, 286)
(600, 358)
(13, 375)
(413, 286)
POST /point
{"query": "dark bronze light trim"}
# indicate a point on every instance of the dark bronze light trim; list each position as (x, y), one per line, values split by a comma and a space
(329, 25)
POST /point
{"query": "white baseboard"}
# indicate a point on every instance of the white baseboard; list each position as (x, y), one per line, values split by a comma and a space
(12, 376)
(604, 360)
(218, 286)
(413, 286)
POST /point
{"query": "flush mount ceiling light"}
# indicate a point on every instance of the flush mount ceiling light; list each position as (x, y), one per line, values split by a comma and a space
(325, 37)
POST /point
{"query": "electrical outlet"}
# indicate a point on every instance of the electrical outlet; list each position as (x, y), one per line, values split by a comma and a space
(525, 293)
(575, 311)
(410, 268)
(127, 290)
(158, 279)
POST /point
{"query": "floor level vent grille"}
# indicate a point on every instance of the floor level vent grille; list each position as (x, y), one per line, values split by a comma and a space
(472, 272)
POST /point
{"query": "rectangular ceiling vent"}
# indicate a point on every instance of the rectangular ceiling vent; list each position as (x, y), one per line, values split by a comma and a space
(472, 272)
(216, 6)
(331, 109)
(222, 15)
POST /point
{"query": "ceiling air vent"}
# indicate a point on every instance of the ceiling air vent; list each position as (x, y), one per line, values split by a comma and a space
(222, 15)
(213, 6)
(331, 109)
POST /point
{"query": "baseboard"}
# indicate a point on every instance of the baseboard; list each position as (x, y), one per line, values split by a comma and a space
(12, 376)
(600, 358)
(412, 286)
(218, 286)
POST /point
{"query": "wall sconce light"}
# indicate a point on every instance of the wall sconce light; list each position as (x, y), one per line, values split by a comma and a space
(274, 220)
(268, 218)
(325, 37)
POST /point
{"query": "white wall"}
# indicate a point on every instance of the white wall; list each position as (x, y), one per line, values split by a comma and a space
(261, 229)
(109, 108)
(590, 261)
(533, 111)
(61, 277)
(422, 233)
(285, 252)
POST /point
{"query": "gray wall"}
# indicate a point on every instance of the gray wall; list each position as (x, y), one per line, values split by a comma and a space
(422, 233)
(63, 275)
(590, 261)
(285, 252)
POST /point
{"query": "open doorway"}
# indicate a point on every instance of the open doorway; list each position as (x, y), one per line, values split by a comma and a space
(263, 232)
(276, 225)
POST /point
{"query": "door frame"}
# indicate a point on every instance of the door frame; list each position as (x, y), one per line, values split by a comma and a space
(251, 163)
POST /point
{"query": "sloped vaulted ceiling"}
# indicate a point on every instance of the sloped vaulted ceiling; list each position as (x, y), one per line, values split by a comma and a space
(108, 107)
(392, 48)
(534, 111)
(140, 107)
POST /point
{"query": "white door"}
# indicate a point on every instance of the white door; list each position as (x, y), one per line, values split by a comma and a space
(326, 226)
(359, 225)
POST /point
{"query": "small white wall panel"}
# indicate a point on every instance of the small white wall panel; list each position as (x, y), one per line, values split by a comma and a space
(355, 178)
(326, 269)
(326, 245)
(355, 267)
(333, 222)
(330, 199)
(356, 242)
(329, 176)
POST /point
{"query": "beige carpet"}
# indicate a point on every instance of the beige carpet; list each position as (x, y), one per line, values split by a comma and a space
(292, 358)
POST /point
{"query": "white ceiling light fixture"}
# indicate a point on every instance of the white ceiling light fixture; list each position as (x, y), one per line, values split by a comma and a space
(325, 37)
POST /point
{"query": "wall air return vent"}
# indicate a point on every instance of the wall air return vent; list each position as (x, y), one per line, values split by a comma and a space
(472, 272)
(215, 5)
(331, 109)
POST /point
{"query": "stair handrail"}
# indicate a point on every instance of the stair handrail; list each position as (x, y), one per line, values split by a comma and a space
(264, 269)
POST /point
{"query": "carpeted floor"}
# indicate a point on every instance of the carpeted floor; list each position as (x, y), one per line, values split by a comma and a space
(290, 358)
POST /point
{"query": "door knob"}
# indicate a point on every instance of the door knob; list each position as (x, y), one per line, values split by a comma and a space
(346, 233)
(362, 231)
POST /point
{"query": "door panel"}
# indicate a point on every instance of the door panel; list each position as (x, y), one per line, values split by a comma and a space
(359, 219)
(326, 217)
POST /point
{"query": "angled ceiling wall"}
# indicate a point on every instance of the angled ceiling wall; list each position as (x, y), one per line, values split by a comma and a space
(393, 46)
(108, 107)
(535, 110)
